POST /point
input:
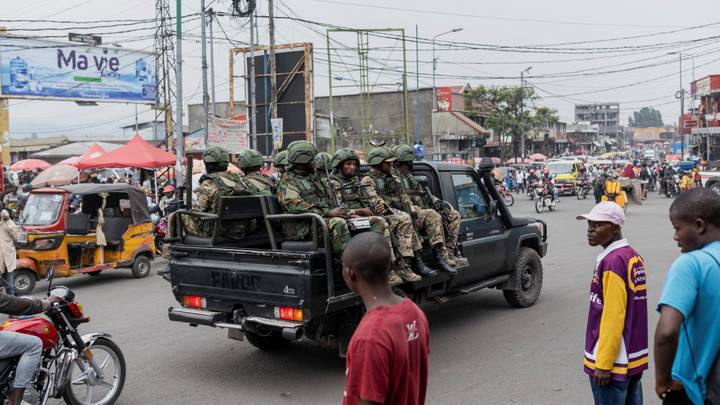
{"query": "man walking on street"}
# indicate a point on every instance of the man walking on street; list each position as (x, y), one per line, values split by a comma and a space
(8, 235)
(387, 359)
(616, 344)
(687, 337)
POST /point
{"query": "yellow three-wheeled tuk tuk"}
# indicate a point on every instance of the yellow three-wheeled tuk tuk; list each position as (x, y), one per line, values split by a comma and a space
(83, 229)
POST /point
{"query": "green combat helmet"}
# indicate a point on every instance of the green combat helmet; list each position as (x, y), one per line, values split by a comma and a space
(322, 160)
(404, 153)
(301, 152)
(250, 158)
(280, 159)
(217, 155)
(379, 155)
(342, 155)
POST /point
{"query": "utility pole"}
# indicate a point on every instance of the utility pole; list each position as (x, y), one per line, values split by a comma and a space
(212, 63)
(179, 141)
(682, 113)
(418, 133)
(253, 123)
(206, 110)
(522, 107)
(273, 68)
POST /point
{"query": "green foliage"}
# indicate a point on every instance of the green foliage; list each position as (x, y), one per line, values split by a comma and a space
(647, 117)
(509, 111)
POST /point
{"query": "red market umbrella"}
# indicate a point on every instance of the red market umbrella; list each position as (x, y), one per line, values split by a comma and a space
(57, 175)
(93, 152)
(137, 153)
(538, 156)
(29, 164)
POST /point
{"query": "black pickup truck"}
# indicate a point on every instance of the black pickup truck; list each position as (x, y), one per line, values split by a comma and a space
(272, 291)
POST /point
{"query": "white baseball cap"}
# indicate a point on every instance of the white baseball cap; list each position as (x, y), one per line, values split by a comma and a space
(606, 211)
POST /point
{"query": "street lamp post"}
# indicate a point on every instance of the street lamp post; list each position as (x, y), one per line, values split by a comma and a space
(434, 68)
(681, 96)
(522, 106)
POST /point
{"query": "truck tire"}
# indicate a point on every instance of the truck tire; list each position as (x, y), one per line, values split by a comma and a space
(529, 273)
(270, 342)
(141, 267)
(23, 281)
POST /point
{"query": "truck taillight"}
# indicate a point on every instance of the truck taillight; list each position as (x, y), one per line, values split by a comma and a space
(194, 301)
(290, 314)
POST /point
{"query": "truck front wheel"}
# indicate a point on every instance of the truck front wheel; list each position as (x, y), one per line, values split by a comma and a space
(529, 277)
(270, 342)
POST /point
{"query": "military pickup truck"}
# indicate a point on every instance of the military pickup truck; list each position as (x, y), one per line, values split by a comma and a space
(272, 291)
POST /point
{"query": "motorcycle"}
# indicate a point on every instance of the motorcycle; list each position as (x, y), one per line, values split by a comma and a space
(672, 186)
(160, 230)
(533, 191)
(545, 199)
(506, 195)
(581, 190)
(87, 369)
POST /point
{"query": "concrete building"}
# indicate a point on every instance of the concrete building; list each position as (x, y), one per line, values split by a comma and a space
(584, 137)
(222, 109)
(605, 115)
(551, 141)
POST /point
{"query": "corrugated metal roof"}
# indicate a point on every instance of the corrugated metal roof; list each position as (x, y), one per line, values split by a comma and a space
(74, 149)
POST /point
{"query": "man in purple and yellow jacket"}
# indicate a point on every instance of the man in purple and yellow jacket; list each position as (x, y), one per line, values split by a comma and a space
(616, 340)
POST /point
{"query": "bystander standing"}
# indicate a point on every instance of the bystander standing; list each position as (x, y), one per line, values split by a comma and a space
(387, 359)
(687, 337)
(8, 235)
(616, 342)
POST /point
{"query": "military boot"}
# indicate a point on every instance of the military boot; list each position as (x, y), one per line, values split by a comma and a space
(406, 273)
(419, 267)
(394, 279)
(440, 263)
(455, 260)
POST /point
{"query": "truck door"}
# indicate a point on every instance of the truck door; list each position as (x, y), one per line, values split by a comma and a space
(482, 233)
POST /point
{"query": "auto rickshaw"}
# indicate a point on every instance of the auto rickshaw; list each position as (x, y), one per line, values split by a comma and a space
(83, 229)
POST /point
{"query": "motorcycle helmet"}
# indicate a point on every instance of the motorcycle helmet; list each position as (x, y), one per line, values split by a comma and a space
(168, 189)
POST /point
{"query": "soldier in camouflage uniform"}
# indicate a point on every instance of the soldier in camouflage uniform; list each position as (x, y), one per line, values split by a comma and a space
(300, 190)
(386, 189)
(405, 155)
(216, 183)
(354, 196)
(279, 163)
(251, 161)
(322, 164)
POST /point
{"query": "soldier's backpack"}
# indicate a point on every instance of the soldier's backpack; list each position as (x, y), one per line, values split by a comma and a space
(230, 184)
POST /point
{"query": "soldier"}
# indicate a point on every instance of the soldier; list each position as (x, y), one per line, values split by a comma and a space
(386, 190)
(300, 190)
(279, 162)
(251, 161)
(419, 195)
(216, 183)
(354, 196)
(322, 164)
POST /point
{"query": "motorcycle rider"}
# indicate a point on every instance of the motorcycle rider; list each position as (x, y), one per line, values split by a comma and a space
(548, 181)
(27, 348)
(167, 198)
(582, 178)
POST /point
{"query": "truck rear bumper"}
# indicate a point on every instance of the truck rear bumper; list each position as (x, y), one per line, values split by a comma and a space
(195, 316)
(289, 330)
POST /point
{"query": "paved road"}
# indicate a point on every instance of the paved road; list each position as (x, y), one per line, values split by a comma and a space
(483, 352)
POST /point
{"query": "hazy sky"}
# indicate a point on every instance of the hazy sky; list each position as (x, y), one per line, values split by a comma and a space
(636, 72)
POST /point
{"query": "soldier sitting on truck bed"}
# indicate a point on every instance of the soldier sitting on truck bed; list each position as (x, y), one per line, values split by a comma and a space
(279, 163)
(301, 190)
(421, 197)
(386, 190)
(354, 196)
(216, 183)
(251, 161)
(322, 164)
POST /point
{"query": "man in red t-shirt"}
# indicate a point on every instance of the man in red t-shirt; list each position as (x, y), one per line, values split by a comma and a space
(387, 360)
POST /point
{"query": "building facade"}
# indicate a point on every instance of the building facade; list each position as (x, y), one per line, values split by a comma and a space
(605, 115)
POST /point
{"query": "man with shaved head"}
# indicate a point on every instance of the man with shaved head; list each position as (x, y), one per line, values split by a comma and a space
(387, 360)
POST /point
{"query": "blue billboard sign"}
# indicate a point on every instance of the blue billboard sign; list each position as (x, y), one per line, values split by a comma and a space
(39, 69)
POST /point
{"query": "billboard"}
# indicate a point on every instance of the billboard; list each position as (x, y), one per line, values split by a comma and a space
(230, 135)
(40, 69)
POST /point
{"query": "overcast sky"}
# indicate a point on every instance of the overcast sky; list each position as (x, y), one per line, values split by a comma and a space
(642, 76)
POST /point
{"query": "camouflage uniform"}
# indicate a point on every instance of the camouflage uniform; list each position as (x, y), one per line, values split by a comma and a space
(322, 164)
(279, 163)
(252, 159)
(212, 187)
(421, 198)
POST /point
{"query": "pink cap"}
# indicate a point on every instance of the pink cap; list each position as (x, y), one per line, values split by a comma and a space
(606, 211)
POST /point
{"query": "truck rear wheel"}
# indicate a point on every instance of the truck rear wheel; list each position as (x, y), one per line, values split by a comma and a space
(270, 342)
(529, 276)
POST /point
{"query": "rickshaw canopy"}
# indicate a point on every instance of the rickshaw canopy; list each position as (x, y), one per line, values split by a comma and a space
(136, 196)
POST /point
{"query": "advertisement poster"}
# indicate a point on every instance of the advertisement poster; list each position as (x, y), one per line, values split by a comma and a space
(40, 69)
(230, 135)
(444, 99)
(277, 131)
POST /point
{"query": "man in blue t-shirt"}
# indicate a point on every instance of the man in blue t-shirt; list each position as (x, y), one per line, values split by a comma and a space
(687, 337)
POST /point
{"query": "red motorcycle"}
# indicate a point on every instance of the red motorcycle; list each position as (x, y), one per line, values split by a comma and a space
(87, 369)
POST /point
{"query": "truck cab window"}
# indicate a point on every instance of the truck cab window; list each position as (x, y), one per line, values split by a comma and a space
(470, 199)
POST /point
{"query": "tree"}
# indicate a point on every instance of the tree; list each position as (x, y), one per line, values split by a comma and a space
(647, 117)
(509, 113)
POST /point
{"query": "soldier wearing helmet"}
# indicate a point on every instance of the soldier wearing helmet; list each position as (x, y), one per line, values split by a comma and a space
(251, 161)
(279, 162)
(387, 192)
(422, 198)
(215, 183)
(354, 196)
(322, 164)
